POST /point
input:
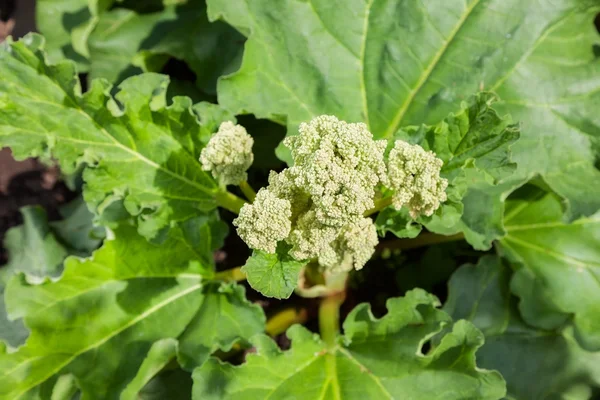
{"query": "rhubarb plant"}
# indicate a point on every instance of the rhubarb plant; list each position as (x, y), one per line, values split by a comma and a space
(306, 200)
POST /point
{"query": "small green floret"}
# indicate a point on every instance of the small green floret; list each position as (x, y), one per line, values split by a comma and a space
(312, 239)
(414, 175)
(356, 245)
(338, 165)
(228, 154)
(265, 222)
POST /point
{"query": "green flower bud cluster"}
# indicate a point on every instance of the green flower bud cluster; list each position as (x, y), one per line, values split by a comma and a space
(270, 221)
(338, 165)
(228, 154)
(318, 205)
(414, 174)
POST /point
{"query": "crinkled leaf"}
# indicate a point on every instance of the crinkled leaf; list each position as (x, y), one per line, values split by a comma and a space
(37, 249)
(393, 63)
(273, 275)
(557, 265)
(116, 44)
(33, 247)
(536, 363)
(12, 333)
(66, 24)
(474, 137)
(128, 296)
(398, 222)
(474, 144)
(209, 49)
(117, 38)
(77, 229)
(141, 155)
(375, 359)
(560, 117)
(205, 233)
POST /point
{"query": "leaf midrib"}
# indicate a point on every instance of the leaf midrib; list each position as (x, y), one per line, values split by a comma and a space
(106, 338)
(90, 288)
(103, 131)
(375, 378)
(554, 254)
(428, 71)
(553, 224)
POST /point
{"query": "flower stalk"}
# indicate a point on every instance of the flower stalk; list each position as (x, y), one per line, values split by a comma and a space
(424, 239)
(248, 191)
(231, 275)
(329, 317)
(281, 321)
(379, 205)
(230, 201)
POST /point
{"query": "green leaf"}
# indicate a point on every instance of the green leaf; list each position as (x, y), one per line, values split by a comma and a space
(205, 233)
(393, 63)
(141, 156)
(65, 388)
(557, 265)
(398, 222)
(116, 44)
(66, 25)
(430, 271)
(33, 248)
(536, 363)
(37, 249)
(77, 229)
(375, 359)
(474, 144)
(474, 137)
(560, 116)
(124, 299)
(12, 333)
(210, 49)
(160, 354)
(119, 35)
(273, 275)
(173, 384)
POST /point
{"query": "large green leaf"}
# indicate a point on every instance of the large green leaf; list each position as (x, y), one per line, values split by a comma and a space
(474, 144)
(392, 63)
(560, 117)
(140, 154)
(557, 265)
(537, 364)
(99, 322)
(375, 359)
